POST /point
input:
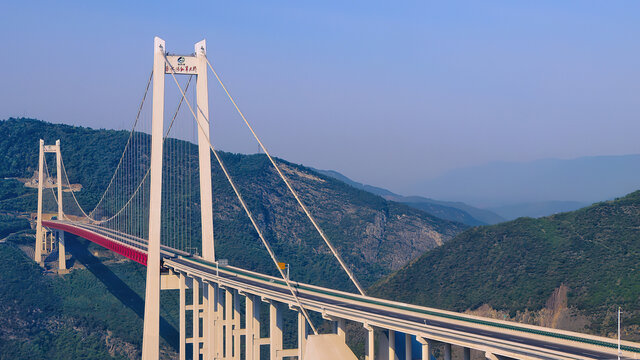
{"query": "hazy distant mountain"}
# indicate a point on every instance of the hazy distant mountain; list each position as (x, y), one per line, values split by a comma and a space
(448, 210)
(583, 180)
(537, 209)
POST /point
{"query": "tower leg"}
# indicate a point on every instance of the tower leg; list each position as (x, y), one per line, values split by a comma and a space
(151, 332)
(39, 235)
(204, 153)
(62, 256)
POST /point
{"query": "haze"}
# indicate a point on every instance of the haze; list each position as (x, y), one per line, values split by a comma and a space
(387, 93)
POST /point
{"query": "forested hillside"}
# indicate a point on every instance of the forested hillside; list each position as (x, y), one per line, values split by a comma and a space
(100, 303)
(585, 261)
(374, 235)
(95, 312)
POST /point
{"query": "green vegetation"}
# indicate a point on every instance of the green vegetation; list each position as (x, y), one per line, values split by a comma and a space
(101, 304)
(374, 235)
(10, 224)
(516, 266)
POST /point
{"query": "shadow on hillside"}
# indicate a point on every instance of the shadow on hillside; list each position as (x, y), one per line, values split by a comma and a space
(128, 297)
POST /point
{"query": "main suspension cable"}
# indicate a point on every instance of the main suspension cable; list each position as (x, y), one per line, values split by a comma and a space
(244, 205)
(286, 181)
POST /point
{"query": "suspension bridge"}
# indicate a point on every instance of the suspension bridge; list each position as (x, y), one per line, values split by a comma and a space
(147, 214)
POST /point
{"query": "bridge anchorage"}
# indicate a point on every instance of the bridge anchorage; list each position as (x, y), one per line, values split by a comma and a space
(225, 308)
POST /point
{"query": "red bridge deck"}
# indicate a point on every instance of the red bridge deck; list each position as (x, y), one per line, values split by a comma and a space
(116, 246)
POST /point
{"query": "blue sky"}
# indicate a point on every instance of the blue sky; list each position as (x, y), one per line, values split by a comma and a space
(388, 93)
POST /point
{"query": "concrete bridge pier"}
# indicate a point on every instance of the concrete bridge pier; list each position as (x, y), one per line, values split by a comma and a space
(427, 348)
(392, 345)
(62, 255)
(275, 330)
(303, 333)
(408, 349)
(182, 351)
(218, 328)
(196, 340)
(370, 346)
(252, 327)
(447, 351)
(339, 327)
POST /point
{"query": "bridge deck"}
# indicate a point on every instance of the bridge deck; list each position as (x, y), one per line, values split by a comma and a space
(455, 328)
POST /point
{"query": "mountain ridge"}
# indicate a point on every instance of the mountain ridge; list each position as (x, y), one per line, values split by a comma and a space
(374, 236)
(448, 210)
(516, 267)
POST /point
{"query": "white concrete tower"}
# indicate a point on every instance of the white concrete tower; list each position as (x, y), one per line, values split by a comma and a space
(206, 196)
(178, 65)
(204, 153)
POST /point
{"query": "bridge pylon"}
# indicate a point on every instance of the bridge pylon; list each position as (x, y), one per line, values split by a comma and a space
(40, 242)
(195, 64)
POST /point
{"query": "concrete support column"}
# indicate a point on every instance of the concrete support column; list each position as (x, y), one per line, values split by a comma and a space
(302, 335)
(228, 324)
(275, 329)
(467, 354)
(339, 327)
(219, 322)
(212, 312)
(196, 318)
(183, 318)
(427, 348)
(252, 327)
(392, 345)
(62, 257)
(236, 325)
(407, 347)
(369, 350)
(447, 351)
(206, 329)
